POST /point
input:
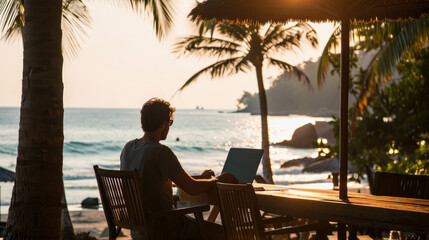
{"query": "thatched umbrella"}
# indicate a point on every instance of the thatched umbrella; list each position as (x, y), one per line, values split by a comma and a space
(343, 11)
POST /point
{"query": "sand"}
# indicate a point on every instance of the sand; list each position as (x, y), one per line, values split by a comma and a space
(94, 222)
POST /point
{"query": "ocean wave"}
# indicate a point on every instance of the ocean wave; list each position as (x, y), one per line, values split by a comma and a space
(81, 177)
(195, 149)
(8, 149)
(109, 166)
(77, 147)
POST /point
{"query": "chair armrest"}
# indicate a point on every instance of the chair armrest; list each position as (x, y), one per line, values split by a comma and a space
(181, 211)
(294, 229)
(277, 219)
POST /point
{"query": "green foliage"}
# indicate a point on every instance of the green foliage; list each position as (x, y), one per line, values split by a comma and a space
(392, 134)
(386, 42)
(75, 22)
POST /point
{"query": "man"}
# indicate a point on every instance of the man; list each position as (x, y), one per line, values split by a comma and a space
(158, 166)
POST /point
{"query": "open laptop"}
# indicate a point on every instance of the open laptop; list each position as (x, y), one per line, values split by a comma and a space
(243, 163)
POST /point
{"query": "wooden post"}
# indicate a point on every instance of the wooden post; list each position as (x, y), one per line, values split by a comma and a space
(344, 85)
(344, 104)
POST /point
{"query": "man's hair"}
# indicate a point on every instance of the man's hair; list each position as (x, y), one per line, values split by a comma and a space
(154, 112)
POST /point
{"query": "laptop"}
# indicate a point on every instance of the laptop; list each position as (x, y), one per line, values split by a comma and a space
(243, 163)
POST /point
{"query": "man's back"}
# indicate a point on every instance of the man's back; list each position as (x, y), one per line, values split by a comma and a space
(156, 164)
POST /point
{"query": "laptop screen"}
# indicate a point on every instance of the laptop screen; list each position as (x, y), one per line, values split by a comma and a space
(243, 163)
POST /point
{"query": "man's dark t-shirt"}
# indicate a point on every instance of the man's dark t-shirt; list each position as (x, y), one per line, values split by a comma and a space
(156, 164)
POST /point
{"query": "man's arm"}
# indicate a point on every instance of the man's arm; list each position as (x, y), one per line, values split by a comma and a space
(207, 174)
(197, 186)
(191, 185)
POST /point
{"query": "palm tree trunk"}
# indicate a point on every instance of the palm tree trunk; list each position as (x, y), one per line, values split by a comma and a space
(266, 162)
(67, 231)
(35, 210)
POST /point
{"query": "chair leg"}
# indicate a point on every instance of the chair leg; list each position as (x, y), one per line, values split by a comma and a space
(213, 213)
(323, 230)
(114, 232)
(353, 229)
(200, 221)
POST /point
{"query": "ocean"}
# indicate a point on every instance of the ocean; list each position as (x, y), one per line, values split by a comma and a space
(201, 140)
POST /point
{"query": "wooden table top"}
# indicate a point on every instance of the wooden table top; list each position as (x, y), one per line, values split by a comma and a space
(399, 213)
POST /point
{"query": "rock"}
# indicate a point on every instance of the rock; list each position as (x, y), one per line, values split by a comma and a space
(303, 137)
(298, 162)
(90, 202)
(324, 130)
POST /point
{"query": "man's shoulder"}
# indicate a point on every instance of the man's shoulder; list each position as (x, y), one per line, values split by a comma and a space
(130, 143)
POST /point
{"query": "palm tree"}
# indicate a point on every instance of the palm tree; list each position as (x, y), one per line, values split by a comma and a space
(35, 210)
(243, 47)
(387, 41)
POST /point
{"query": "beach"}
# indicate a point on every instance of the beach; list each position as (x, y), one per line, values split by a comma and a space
(92, 221)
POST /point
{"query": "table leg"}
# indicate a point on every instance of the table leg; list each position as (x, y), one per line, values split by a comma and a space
(342, 230)
(213, 213)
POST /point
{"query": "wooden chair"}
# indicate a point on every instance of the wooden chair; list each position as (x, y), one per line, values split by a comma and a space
(241, 218)
(121, 195)
(400, 185)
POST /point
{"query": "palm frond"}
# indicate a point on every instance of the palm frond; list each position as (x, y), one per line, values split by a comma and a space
(287, 39)
(281, 37)
(272, 33)
(292, 69)
(243, 65)
(199, 45)
(75, 21)
(413, 34)
(369, 81)
(237, 32)
(323, 67)
(217, 69)
(206, 26)
(11, 18)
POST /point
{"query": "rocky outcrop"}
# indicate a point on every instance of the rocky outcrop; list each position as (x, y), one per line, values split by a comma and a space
(299, 162)
(303, 137)
(324, 130)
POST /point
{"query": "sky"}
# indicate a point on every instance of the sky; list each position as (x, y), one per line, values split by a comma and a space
(122, 64)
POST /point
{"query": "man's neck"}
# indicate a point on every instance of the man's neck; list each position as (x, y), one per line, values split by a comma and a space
(151, 137)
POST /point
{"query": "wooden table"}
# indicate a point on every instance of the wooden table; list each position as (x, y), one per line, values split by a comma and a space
(406, 214)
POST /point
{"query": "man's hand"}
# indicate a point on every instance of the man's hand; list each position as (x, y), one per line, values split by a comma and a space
(207, 174)
(227, 178)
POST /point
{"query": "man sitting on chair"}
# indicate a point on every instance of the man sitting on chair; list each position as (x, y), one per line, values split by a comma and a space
(158, 166)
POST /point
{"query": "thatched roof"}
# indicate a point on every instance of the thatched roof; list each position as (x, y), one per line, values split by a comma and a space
(311, 10)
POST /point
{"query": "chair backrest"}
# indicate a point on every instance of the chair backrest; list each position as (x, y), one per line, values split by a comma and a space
(239, 211)
(401, 185)
(121, 196)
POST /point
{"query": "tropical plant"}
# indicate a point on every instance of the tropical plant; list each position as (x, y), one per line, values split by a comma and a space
(392, 134)
(386, 42)
(75, 21)
(241, 47)
(35, 210)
